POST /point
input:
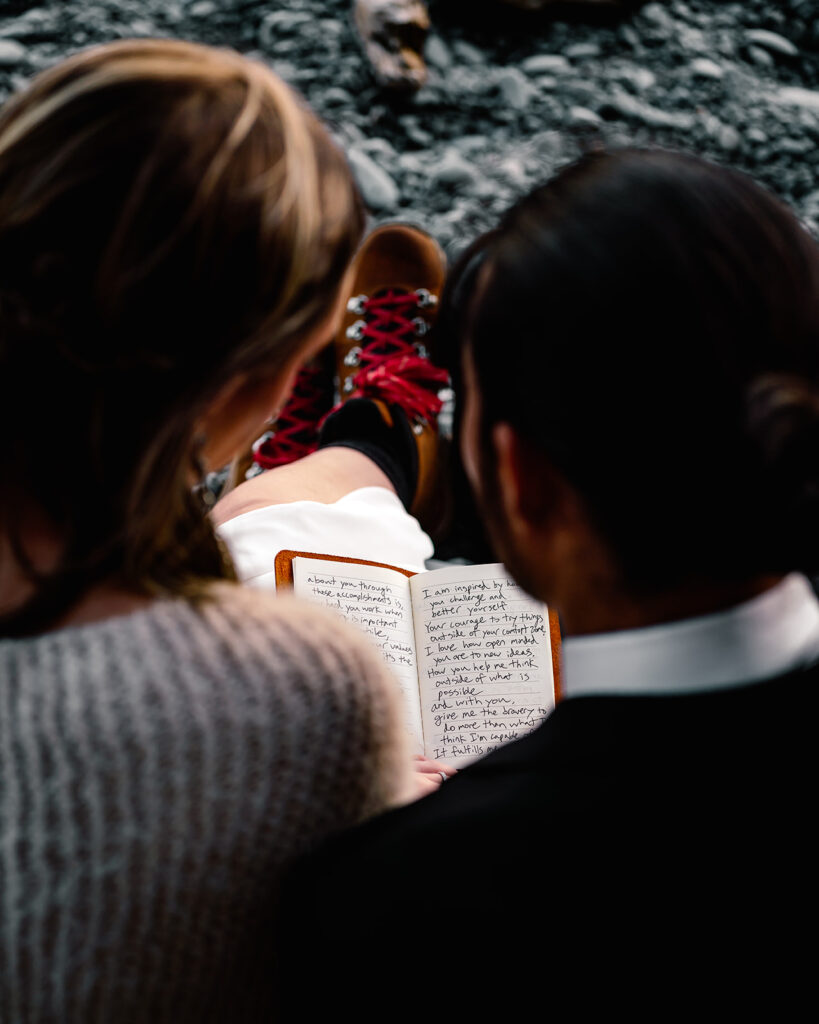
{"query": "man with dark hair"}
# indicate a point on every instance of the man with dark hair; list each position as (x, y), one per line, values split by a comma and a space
(640, 353)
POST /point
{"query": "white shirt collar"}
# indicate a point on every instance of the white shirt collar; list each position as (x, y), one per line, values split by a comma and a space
(765, 637)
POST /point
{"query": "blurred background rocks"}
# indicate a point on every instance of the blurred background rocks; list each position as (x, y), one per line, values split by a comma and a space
(510, 95)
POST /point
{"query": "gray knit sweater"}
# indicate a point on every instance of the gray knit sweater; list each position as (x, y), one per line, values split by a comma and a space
(158, 771)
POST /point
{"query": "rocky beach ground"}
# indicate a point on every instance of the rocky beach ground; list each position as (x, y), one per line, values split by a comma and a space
(510, 96)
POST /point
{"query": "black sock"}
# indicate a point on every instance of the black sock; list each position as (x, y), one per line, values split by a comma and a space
(359, 425)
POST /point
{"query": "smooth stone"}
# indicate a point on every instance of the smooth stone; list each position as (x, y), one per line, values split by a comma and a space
(772, 41)
(629, 35)
(379, 190)
(762, 58)
(580, 50)
(454, 170)
(729, 138)
(472, 144)
(656, 14)
(811, 203)
(514, 171)
(34, 20)
(337, 97)
(808, 99)
(11, 53)
(515, 88)
(468, 53)
(203, 9)
(280, 23)
(172, 13)
(702, 67)
(641, 78)
(415, 133)
(25, 27)
(546, 64)
(582, 117)
(796, 147)
(331, 26)
(628, 106)
(379, 149)
(141, 27)
(438, 54)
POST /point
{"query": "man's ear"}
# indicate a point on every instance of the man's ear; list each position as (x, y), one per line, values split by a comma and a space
(532, 492)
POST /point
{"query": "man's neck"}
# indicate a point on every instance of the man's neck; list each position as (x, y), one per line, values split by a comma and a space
(605, 609)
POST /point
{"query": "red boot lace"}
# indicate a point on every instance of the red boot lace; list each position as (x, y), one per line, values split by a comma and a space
(392, 366)
(295, 432)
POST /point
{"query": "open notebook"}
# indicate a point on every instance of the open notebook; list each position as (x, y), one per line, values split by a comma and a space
(476, 658)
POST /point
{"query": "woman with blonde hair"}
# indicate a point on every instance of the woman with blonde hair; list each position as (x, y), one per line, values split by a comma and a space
(175, 231)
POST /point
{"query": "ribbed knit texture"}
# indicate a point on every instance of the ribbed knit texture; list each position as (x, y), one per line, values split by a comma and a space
(158, 771)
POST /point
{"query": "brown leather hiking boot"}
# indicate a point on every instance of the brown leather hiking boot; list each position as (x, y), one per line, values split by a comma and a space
(393, 33)
(381, 353)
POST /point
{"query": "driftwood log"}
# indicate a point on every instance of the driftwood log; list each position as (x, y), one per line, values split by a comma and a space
(393, 33)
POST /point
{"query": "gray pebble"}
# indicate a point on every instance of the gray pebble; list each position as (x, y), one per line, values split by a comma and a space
(760, 57)
(806, 98)
(639, 78)
(729, 138)
(513, 169)
(331, 27)
(280, 23)
(629, 36)
(546, 82)
(546, 64)
(578, 51)
(468, 53)
(438, 54)
(415, 133)
(757, 136)
(469, 144)
(656, 14)
(337, 97)
(453, 169)
(812, 204)
(694, 41)
(377, 187)
(772, 41)
(515, 88)
(629, 106)
(379, 149)
(582, 117)
(796, 147)
(25, 26)
(203, 9)
(11, 53)
(172, 13)
(141, 27)
(702, 67)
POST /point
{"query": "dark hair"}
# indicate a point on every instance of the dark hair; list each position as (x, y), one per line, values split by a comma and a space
(172, 217)
(649, 321)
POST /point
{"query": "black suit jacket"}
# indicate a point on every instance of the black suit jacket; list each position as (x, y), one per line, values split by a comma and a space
(637, 855)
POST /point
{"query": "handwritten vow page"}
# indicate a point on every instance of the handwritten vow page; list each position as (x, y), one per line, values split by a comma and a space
(469, 649)
(377, 601)
(484, 660)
